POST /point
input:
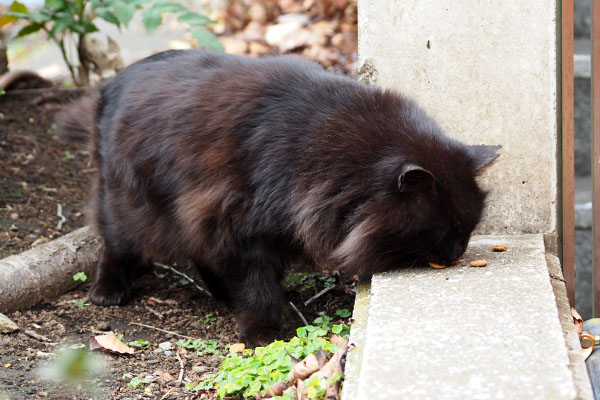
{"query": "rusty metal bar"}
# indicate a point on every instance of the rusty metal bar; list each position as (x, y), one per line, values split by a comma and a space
(568, 149)
(596, 149)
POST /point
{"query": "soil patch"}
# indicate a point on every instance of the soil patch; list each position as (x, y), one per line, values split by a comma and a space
(38, 173)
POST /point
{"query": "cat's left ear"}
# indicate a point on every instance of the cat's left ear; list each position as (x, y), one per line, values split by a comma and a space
(483, 155)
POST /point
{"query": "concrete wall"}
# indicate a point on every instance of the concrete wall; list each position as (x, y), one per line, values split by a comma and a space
(488, 74)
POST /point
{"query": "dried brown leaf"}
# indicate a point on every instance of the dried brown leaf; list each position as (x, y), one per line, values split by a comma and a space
(300, 389)
(253, 32)
(258, 48)
(303, 369)
(109, 342)
(332, 365)
(237, 348)
(321, 357)
(163, 376)
(339, 341)
(276, 390)
(235, 15)
(332, 392)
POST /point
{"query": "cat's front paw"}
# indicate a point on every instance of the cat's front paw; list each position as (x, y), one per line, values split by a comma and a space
(104, 294)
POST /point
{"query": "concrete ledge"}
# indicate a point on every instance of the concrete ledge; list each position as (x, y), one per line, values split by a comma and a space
(465, 332)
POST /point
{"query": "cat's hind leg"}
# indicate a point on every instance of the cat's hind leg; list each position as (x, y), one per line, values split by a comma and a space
(119, 262)
(114, 277)
(215, 283)
(252, 277)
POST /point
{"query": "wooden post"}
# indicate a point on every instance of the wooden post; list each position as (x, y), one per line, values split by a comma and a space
(568, 150)
(596, 150)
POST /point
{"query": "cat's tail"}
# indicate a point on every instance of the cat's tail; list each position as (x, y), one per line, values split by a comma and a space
(76, 122)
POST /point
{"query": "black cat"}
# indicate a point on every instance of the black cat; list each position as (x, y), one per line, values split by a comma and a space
(241, 166)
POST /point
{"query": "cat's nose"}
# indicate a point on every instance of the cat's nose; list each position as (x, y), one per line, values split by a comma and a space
(457, 250)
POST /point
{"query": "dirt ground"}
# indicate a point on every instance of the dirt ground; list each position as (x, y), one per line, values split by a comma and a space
(38, 172)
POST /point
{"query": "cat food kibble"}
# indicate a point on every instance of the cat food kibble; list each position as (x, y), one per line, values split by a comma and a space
(499, 247)
(437, 266)
(478, 263)
(453, 263)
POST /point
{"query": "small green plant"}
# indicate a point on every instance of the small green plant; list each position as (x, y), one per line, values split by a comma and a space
(74, 368)
(80, 303)
(139, 343)
(327, 280)
(62, 20)
(254, 371)
(315, 387)
(80, 276)
(203, 347)
(137, 382)
(181, 282)
(304, 282)
(343, 312)
(68, 156)
(207, 318)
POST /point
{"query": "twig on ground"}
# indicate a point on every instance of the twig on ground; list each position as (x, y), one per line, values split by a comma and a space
(202, 290)
(36, 335)
(304, 321)
(166, 394)
(59, 213)
(161, 330)
(159, 301)
(181, 368)
(153, 311)
(316, 296)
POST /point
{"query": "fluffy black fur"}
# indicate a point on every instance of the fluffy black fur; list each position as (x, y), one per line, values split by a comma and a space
(242, 166)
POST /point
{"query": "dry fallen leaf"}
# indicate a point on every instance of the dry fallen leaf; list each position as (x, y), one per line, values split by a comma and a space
(300, 390)
(303, 369)
(237, 348)
(322, 357)
(577, 320)
(332, 365)
(333, 391)
(163, 376)
(276, 390)
(234, 45)
(338, 341)
(109, 342)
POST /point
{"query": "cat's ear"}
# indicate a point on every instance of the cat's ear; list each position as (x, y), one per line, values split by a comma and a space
(413, 179)
(483, 155)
